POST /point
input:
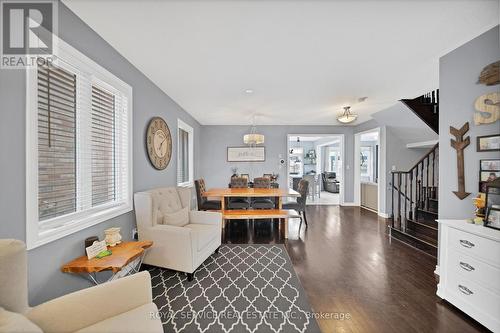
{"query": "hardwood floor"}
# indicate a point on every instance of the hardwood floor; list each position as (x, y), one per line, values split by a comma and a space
(348, 265)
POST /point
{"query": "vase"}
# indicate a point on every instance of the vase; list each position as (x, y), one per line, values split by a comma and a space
(113, 236)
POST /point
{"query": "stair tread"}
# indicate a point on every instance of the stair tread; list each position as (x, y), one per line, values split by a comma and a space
(427, 211)
(424, 238)
(422, 223)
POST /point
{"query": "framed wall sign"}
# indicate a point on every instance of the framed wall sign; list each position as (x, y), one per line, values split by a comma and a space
(246, 154)
(488, 143)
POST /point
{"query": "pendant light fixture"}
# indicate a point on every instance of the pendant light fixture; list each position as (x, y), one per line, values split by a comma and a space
(253, 138)
(347, 117)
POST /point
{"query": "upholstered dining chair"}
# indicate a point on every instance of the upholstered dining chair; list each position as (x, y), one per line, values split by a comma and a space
(265, 202)
(238, 202)
(300, 204)
(267, 175)
(203, 202)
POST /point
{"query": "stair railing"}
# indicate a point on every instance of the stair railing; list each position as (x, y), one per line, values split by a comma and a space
(412, 189)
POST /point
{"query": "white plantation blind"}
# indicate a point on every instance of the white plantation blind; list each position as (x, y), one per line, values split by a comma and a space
(56, 142)
(82, 174)
(103, 146)
(183, 166)
(184, 154)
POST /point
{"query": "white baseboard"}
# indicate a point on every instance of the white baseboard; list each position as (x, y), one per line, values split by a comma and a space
(349, 204)
(384, 215)
(436, 271)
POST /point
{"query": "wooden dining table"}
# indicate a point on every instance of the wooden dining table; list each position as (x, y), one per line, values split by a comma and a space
(224, 193)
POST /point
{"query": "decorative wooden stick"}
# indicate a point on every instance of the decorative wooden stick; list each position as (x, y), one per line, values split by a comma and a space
(459, 144)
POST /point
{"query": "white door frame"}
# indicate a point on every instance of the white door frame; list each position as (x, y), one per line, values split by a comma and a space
(342, 154)
(381, 169)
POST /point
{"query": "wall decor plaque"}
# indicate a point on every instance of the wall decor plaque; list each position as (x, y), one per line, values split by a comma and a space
(460, 143)
(246, 154)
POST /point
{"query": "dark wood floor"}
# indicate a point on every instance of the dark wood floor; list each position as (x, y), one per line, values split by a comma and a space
(348, 265)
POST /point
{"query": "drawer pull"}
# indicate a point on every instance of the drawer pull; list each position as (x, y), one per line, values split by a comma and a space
(466, 243)
(465, 290)
(466, 266)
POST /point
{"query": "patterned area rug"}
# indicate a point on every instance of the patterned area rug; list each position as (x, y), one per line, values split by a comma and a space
(243, 288)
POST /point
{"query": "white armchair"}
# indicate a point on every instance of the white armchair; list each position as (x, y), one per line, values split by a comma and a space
(122, 305)
(181, 247)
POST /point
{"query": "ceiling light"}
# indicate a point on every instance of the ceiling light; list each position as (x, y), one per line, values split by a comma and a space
(253, 138)
(248, 91)
(347, 117)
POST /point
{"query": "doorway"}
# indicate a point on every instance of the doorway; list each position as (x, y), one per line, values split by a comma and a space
(367, 170)
(318, 158)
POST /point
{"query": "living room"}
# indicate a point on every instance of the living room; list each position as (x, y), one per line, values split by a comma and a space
(149, 182)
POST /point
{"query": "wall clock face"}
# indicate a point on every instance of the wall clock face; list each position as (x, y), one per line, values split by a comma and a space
(159, 143)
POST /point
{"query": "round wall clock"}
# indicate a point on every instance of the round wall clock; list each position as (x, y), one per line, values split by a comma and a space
(159, 143)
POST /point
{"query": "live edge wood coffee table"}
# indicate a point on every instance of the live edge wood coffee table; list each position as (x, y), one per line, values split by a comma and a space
(126, 259)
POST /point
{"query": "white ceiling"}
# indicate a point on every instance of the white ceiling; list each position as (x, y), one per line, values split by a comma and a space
(304, 59)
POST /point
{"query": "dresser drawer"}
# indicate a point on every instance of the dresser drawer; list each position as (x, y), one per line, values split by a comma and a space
(473, 269)
(475, 246)
(475, 296)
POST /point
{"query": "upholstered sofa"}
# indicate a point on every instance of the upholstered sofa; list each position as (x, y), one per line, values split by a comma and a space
(183, 238)
(123, 305)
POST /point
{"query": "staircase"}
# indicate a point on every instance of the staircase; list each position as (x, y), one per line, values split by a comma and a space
(426, 107)
(415, 204)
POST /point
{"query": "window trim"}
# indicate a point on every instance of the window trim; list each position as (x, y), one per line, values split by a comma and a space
(38, 234)
(185, 127)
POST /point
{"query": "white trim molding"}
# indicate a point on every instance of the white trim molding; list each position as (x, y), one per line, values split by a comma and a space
(87, 73)
(185, 127)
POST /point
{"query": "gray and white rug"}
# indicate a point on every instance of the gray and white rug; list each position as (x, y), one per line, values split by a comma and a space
(243, 288)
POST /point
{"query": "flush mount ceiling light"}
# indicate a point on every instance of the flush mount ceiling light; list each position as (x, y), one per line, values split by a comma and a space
(347, 117)
(253, 138)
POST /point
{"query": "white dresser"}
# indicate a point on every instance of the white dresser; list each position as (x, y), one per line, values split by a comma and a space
(469, 270)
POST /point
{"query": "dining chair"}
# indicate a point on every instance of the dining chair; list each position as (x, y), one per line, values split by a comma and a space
(264, 202)
(239, 202)
(300, 204)
(203, 202)
(268, 175)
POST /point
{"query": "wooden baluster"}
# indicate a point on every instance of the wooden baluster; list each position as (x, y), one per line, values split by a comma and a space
(392, 198)
(421, 183)
(406, 196)
(411, 194)
(399, 200)
(416, 186)
(427, 187)
(433, 174)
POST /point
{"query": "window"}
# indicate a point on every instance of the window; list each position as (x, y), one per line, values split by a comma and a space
(185, 154)
(79, 153)
(369, 163)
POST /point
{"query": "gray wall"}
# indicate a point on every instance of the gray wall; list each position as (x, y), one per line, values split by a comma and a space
(215, 140)
(45, 279)
(458, 73)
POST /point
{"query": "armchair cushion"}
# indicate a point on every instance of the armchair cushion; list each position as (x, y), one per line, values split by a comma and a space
(140, 319)
(168, 199)
(11, 322)
(179, 218)
(90, 306)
